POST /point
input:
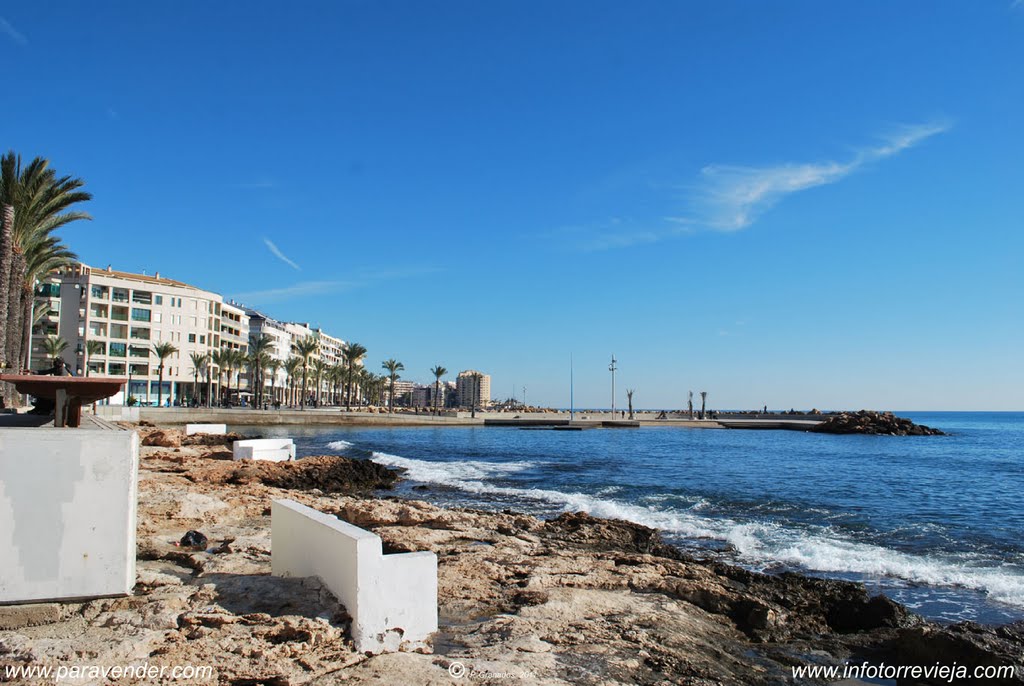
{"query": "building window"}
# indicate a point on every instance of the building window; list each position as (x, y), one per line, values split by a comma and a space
(119, 295)
(118, 350)
(136, 351)
(99, 292)
(158, 317)
(115, 369)
(142, 297)
(140, 315)
(119, 313)
(191, 338)
(118, 331)
(202, 340)
(158, 299)
(140, 334)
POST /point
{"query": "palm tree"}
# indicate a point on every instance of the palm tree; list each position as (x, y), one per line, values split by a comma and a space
(393, 366)
(93, 348)
(291, 368)
(36, 202)
(260, 349)
(54, 346)
(319, 367)
(237, 359)
(629, 397)
(162, 351)
(305, 348)
(703, 397)
(477, 378)
(222, 360)
(199, 361)
(354, 354)
(438, 372)
(336, 377)
(274, 366)
(689, 404)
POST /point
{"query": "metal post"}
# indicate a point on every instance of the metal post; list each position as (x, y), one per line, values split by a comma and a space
(612, 369)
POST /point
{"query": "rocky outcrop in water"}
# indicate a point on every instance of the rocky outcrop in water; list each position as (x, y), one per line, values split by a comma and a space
(874, 423)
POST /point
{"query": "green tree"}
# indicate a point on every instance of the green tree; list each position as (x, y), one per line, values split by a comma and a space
(35, 203)
(393, 366)
(438, 371)
(199, 361)
(305, 348)
(354, 354)
(162, 351)
(221, 360)
(319, 367)
(260, 349)
(291, 368)
(54, 346)
(93, 348)
(274, 367)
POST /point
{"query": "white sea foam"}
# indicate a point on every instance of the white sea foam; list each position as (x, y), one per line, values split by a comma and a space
(757, 543)
(339, 445)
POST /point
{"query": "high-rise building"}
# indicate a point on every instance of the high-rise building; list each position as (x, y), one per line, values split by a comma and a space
(473, 389)
(113, 319)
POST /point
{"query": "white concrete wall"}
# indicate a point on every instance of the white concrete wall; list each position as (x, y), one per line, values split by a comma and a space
(67, 513)
(118, 413)
(217, 429)
(392, 598)
(269, 449)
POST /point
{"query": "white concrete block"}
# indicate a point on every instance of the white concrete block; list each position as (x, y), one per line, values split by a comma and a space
(217, 429)
(392, 598)
(67, 513)
(270, 449)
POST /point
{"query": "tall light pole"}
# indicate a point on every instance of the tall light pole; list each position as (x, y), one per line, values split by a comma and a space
(612, 369)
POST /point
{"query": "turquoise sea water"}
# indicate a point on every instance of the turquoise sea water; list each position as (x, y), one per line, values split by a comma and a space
(935, 522)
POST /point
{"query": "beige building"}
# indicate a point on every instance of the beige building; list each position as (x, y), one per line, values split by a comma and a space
(472, 385)
(126, 314)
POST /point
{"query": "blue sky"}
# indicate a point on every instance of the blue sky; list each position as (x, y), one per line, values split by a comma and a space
(799, 204)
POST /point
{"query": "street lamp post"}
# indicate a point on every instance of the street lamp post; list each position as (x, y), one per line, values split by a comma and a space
(612, 369)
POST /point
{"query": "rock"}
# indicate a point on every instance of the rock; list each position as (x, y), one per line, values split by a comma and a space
(873, 423)
(967, 644)
(164, 438)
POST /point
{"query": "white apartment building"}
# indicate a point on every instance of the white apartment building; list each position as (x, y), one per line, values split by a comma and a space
(469, 387)
(126, 314)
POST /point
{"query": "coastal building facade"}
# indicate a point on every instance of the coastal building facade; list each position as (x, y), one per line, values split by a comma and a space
(473, 389)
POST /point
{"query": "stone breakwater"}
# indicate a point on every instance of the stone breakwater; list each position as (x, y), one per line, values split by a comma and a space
(571, 600)
(874, 423)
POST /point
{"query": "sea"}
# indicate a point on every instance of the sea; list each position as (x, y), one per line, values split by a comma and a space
(935, 522)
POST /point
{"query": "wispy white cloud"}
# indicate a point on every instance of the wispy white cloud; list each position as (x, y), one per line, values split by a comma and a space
(307, 288)
(730, 198)
(1016, 4)
(304, 288)
(12, 33)
(280, 255)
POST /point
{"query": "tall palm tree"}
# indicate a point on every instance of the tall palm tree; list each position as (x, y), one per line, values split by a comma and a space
(93, 348)
(319, 367)
(703, 399)
(477, 378)
(199, 361)
(354, 354)
(305, 348)
(336, 375)
(393, 366)
(274, 366)
(220, 359)
(438, 372)
(291, 368)
(260, 349)
(162, 351)
(689, 404)
(36, 202)
(629, 397)
(236, 363)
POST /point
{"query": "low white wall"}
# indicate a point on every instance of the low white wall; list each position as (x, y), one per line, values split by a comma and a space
(217, 429)
(67, 513)
(269, 449)
(392, 598)
(118, 413)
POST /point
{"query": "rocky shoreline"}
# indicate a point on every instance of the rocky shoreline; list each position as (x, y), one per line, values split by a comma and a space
(572, 600)
(874, 424)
